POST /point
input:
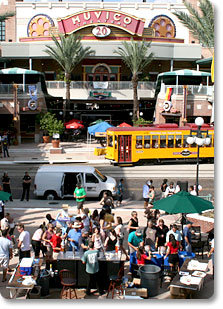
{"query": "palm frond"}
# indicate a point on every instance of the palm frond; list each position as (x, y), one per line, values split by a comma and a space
(6, 16)
(199, 22)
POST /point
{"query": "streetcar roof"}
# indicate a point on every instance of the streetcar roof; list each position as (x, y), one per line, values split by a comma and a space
(161, 127)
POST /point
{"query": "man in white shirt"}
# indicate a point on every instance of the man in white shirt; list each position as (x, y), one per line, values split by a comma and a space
(5, 253)
(23, 242)
(145, 193)
(175, 232)
(170, 190)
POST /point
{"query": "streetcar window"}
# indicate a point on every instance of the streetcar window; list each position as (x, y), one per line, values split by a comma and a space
(212, 141)
(162, 141)
(178, 141)
(139, 141)
(116, 143)
(110, 141)
(147, 141)
(185, 144)
(155, 143)
(170, 141)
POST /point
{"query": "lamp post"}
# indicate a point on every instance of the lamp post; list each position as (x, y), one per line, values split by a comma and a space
(200, 141)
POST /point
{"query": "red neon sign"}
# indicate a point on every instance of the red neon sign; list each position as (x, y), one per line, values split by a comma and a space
(118, 19)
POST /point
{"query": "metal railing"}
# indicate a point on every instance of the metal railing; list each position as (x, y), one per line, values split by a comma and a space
(22, 89)
(110, 85)
(192, 89)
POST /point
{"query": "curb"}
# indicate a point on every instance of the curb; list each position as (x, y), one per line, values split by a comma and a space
(55, 162)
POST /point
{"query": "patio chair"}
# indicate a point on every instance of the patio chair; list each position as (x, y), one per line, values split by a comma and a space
(116, 282)
(68, 282)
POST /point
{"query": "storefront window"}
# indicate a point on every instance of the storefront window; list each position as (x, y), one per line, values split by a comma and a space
(2, 31)
(138, 141)
(163, 141)
(178, 141)
(170, 141)
(155, 143)
(147, 141)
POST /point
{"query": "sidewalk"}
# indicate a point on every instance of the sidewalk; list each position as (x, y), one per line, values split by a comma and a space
(73, 152)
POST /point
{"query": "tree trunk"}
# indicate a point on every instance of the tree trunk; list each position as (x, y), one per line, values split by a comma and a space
(67, 104)
(135, 98)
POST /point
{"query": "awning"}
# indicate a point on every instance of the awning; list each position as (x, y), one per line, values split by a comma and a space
(204, 61)
(184, 72)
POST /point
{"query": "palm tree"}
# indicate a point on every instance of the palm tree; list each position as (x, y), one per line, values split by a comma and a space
(68, 52)
(200, 22)
(135, 56)
(6, 16)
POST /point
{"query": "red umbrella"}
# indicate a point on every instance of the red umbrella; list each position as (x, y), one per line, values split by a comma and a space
(74, 125)
(124, 124)
(73, 120)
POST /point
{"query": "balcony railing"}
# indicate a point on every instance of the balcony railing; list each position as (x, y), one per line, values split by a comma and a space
(192, 89)
(22, 89)
(110, 85)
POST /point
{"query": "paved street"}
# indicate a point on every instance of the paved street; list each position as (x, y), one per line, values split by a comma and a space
(135, 177)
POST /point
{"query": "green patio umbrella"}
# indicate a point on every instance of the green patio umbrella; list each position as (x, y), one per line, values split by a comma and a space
(4, 196)
(183, 202)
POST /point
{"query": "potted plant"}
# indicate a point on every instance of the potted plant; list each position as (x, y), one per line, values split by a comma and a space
(55, 128)
(44, 121)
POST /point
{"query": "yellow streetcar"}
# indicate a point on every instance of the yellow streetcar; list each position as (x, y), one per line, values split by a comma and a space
(156, 142)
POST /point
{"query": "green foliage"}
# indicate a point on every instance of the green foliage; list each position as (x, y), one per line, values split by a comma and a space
(50, 125)
(6, 16)
(60, 76)
(135, 55)
(200, 22)
(141, 121)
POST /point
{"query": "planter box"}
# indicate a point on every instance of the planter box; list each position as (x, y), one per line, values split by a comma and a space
(56, 150)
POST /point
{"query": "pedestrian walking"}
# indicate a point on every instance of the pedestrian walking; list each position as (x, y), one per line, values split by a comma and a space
(26, 186)
(5, 147)
(23, 242)
(90, 258)
(5, 253)
(120, 192)
(79, 194)
(6, 185)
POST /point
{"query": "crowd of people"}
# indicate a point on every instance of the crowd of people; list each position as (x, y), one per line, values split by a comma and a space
(88, 233)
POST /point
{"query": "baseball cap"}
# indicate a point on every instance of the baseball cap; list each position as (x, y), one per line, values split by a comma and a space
(138, 232)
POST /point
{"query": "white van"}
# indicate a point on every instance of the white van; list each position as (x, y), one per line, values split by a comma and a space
(60, 181)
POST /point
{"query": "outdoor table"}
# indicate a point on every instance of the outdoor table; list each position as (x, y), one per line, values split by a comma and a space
(107, 267)
(99, 151)
(183, 255)
(185, 290)
(15, 285)
(156, 259)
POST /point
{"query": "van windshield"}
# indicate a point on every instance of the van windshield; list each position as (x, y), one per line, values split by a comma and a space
(102, 177)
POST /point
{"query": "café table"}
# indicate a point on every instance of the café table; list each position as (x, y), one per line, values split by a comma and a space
(15, 285)
(180, 289)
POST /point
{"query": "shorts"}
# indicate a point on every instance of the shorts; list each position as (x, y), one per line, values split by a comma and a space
(80, 205)
(146, 199)
(4, 262)
(173, 258)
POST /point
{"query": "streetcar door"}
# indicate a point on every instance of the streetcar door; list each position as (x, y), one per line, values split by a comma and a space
(125, 148)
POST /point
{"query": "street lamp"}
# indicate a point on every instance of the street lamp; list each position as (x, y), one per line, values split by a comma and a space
(200, 141)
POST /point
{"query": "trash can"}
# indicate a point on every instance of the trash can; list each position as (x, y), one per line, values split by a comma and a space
(150, 275)
(44, 282)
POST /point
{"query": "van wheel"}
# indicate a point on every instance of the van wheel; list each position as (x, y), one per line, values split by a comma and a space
(50, 195)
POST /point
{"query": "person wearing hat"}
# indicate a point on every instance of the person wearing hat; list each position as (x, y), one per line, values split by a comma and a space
(135, 239)
(187, 237)
(74, 236)
(79, 194)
